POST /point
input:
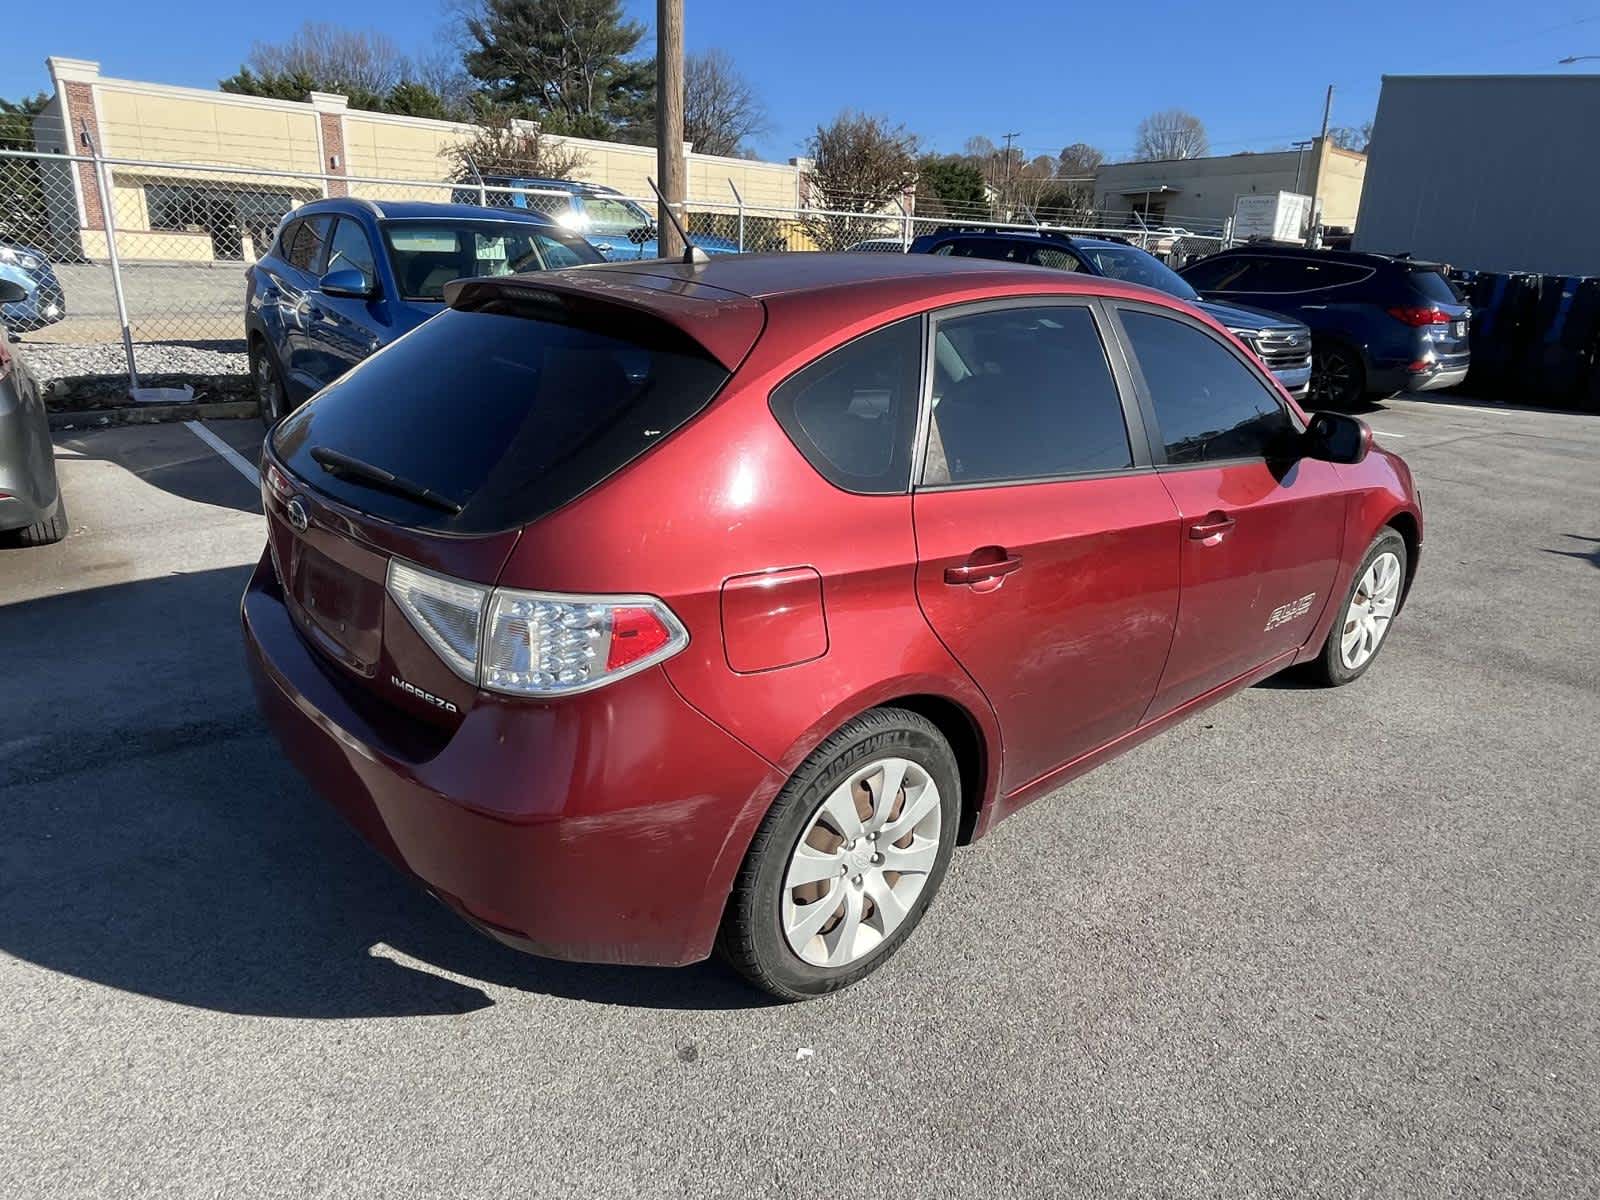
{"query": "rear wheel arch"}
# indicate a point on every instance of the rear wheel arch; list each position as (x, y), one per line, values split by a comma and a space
(967, 741)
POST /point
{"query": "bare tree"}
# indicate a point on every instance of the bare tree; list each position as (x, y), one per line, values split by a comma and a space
(504, 145)
(357, 60)
(720, 106)
(860, 164)
(1171, 133)
(1352, 137)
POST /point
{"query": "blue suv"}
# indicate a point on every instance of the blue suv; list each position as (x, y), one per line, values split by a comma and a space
(346, 277)
(1281, 343)
(617, 227)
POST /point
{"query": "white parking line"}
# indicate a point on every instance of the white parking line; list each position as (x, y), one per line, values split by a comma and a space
(1386, 433)
(229, 455)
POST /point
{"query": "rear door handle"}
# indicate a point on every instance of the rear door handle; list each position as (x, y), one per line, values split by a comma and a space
(1213, 524)
(982, 572)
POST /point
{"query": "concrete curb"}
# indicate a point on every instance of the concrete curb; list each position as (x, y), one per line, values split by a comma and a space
(153, 414)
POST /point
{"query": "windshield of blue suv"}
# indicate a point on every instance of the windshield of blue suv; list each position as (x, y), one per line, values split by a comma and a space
(1135, 266)
(426, 255)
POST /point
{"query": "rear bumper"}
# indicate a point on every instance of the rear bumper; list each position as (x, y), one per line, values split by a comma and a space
(605, 827)
(1442, 377)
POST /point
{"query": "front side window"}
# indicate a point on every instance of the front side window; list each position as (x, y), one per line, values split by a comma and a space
(303, 248)
(607, 215)
(1209, 405)
(1023, 393)
(351, 251)
(426, 255)
(853, 411)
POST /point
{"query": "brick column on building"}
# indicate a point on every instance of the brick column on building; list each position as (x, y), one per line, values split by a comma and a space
(74, 80)
(330, 108)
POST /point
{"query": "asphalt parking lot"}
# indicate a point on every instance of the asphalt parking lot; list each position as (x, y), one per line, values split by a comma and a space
(1310, 943)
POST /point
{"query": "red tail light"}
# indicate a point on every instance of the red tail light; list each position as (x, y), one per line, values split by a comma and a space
(1421, 316)
(635, 633)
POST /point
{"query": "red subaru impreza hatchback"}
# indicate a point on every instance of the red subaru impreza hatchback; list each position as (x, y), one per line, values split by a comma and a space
(648, 608)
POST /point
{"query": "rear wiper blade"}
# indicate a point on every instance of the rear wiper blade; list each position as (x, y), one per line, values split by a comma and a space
(353, 469)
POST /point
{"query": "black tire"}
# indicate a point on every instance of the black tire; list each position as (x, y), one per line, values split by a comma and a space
(267, 379)
(1328, 668)
(46, 532)
(1338, 380)
(752, 939)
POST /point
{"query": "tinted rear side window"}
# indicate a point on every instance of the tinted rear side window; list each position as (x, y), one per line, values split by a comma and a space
(1023, 393)
(1434, 286)
(510, 411)
(853, 411)
(1210, 406)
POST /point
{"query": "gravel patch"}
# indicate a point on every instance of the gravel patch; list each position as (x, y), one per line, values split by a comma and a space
(164, 358)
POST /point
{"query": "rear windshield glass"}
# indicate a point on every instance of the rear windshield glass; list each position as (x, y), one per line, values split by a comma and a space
(426, 255)
(1435, 287)
(508, 412)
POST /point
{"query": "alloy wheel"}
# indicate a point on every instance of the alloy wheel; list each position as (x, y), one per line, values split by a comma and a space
(865, 857)
(1371, 609)
(1334, 382)
(269, 392)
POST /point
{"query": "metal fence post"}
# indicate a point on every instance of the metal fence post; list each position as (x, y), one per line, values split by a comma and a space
(108, 214)
(483, 192)
(739, 200)
(905, 225)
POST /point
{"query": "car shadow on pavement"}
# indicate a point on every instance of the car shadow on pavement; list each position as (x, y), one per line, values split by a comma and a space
(154, 840)
(1590, 556)
(170, 457)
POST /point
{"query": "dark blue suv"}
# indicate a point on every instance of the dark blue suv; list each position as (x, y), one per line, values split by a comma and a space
(346, 277)
(1381, 323)
(1282, 344)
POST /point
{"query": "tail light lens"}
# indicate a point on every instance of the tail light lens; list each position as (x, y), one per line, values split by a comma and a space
(446, 612)
(535, 643)
(1419, 317)
(542, 644)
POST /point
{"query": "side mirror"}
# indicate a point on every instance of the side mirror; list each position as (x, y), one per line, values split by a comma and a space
(642, 234)
(11, 291)
(1337, 438)
(348, 282)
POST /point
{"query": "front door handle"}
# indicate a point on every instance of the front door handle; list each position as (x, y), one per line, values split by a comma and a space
(1212, 525)
(982, 572)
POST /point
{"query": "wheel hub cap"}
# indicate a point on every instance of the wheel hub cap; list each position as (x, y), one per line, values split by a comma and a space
(864, 858)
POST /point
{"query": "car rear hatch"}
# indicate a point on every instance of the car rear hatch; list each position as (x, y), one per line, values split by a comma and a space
(437, 451)
(1440, 314)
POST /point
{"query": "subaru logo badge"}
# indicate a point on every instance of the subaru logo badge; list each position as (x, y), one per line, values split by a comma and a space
(296, 512)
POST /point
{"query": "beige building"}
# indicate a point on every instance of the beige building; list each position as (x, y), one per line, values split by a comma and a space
(1201, 191)
(197, 175)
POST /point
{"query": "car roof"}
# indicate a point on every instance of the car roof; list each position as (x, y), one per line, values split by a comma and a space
(805, 295)
(1359, 258)
(387, 210)
(761, 276)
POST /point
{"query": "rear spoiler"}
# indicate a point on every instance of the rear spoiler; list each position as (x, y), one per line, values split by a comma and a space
(725, 324)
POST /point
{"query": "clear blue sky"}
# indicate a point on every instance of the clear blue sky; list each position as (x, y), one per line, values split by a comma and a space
(1056, 72)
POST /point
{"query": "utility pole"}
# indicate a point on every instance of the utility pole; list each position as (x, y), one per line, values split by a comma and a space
(1005, 193)
(669, 122)
(1316, 168)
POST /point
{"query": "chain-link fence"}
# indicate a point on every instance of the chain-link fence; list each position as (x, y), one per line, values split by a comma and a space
(135, 270)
